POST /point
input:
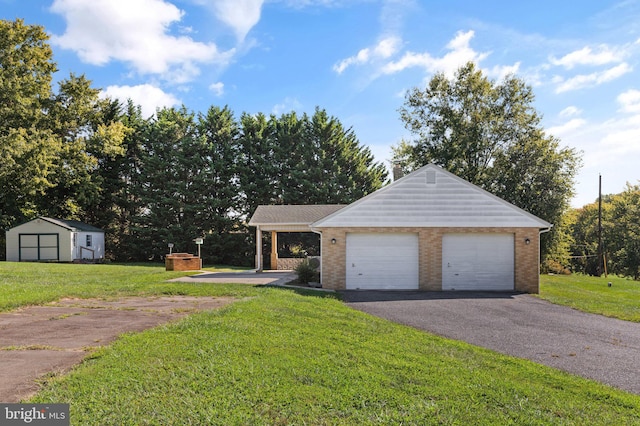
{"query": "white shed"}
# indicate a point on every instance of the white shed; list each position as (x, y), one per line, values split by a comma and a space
(54, 240)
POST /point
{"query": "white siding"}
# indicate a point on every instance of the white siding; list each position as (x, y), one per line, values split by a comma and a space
(45, 232)
(29, 232)
(82, 251)
(381, 261)
(414, 201)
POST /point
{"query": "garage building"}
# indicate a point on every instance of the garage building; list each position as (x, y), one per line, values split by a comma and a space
(430, 230)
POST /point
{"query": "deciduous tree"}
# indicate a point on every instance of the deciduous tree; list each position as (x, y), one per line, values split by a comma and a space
(489, 133)
(28, 148)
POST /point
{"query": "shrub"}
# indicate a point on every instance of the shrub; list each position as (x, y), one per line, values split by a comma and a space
(551, 266)
(306, 272)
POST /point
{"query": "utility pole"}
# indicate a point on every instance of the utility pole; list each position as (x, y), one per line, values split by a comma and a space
(600, 257)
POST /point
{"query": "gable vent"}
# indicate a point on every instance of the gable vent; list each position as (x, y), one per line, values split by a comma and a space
(431, 176)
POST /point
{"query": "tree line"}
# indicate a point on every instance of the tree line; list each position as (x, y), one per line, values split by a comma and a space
(179, 174)
(619, 235)
(171, 177)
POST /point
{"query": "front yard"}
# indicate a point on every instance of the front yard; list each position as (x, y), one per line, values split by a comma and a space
(278, 356)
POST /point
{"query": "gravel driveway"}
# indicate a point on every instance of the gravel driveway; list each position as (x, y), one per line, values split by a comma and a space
(592, 346)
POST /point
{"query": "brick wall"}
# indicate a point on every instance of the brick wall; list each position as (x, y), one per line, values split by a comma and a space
(289, 263)
(527, 256)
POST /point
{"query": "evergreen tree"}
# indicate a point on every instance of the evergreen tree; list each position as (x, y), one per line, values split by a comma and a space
(219, 210)
(257, 164)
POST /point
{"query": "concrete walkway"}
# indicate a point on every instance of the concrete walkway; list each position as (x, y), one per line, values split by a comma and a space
(521, 325)
(243, 277)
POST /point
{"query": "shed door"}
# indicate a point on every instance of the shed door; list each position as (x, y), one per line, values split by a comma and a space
(382, 261)
(478, 262)
(38, 247)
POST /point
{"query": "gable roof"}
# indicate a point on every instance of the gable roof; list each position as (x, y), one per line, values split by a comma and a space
(77, 225)
(431, 197)
(292, 214)
(71, 225)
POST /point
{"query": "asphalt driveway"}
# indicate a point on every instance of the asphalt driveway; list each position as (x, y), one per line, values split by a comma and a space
(521, 325)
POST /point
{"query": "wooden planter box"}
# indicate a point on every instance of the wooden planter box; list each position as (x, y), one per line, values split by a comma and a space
(182, 262)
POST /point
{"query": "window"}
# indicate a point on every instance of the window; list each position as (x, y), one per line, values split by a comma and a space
(88, 240)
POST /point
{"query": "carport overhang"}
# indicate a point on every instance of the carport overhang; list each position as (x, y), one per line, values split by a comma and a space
(285, 218)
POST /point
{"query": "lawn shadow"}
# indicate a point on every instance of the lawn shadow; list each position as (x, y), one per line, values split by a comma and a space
(355, 296)
(304, 291)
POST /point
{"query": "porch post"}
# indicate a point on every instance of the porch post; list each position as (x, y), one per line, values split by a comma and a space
(258, 249)
(274, 250)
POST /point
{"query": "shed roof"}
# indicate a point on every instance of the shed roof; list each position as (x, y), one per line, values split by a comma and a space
(292, 214)
(71, 225)
(431, 197)
(77, 225)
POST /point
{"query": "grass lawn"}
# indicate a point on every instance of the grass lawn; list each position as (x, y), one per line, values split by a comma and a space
(284, 357)
(38, 283)
(592, 294)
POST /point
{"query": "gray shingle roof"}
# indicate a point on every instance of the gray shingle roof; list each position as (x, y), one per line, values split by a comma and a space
(73, 224)
(292, 214)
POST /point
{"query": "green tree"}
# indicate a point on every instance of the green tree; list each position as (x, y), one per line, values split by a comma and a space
(226, 236)
(622, 233)
(167, 168)
(341, 170)
(188, 186)
(257, 165)
(489, 134)
(91, 134)
(27, 146)
(304, 160)
(118, 201)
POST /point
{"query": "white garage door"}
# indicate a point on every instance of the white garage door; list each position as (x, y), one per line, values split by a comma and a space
(382, 261)
(478, 262)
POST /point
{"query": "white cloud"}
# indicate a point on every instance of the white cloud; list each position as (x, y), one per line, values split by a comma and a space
(241, 15)
(459, 53)
(135, 32)
(567, 128)
(586, 56)
(289, 104)
(499, 72)
(610, 148)
(594, 79)
(570, 111)
(623, 140)
(385, 48)
(217, 88)
(630, 101)
(147, 96)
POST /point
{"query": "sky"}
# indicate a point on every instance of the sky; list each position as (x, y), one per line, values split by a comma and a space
(357, 58)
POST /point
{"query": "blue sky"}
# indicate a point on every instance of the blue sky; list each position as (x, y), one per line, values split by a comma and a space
(357, 58)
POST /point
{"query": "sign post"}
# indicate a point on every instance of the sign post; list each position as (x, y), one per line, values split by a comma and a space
(199, 243)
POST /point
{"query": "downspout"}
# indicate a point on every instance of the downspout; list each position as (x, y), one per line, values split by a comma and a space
(540, 232)
(258, 261)
(321, 252)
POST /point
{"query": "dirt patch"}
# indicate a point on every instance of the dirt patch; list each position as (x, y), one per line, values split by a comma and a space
(40, 340)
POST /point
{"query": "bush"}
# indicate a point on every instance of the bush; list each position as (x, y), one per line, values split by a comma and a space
(306, 272)
(551, 266)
